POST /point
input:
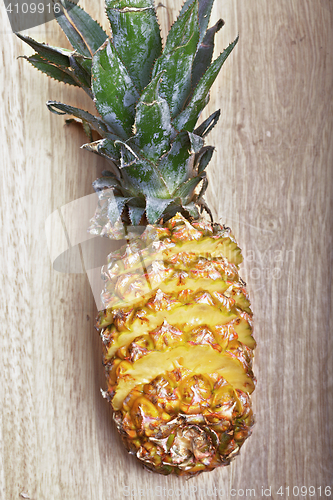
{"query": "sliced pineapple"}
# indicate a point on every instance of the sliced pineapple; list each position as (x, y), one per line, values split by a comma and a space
(199, 359)
(185, 317)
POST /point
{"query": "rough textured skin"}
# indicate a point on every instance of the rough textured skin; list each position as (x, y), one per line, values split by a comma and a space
(178, 344)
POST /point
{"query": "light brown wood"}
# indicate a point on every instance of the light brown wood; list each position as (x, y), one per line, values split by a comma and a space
(271, 181)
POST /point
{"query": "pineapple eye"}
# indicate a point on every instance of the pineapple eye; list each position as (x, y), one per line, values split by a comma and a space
(223, 402)
(195, 390)
(144, 414)
(122, 368)
(139, 347)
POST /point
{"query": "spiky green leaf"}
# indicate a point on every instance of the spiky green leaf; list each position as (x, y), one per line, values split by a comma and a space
(136, 208)
(140, 175)
(136, 36)
(96, 123)
(85, 62)
(50, 70)
(153, 122)
(136, 214)
(206, 126)
(114, 92)
(83, 32)
(156, 169)
(116, 206)
(196, 142)
(104, 147)
(204, 55)
(205, 8)
(61, 64)
(188, 118)
(155, 208)
(81, 74)
(203, 158)
(54, 55)
(186, 190)
(177, 59)
(176, 165)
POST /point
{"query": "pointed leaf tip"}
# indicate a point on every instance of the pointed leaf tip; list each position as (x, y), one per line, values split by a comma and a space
(54, 55)
(204, 11)
(95, 122)
(155, 208)
(187, 119)
(55, 72)
(203, 158)
(204, 55)
(136, 214)
(177, 59)
(208, 124)
(116, 205)
(82, 31)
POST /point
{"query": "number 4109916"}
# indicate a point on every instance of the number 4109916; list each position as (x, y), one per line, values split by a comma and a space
(33, 8)
(304, 491)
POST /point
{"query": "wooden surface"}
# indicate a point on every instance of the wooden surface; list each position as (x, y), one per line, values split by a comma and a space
(272, 184)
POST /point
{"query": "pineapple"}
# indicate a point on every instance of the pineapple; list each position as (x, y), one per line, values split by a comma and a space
(176, 325)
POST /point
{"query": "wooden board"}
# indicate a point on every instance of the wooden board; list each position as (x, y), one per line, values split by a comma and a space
(271, 182)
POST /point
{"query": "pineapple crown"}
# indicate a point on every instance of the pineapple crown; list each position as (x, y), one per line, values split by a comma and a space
(149, 100)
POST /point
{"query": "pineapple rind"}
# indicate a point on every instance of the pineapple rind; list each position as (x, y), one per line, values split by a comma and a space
(165, 250)
(239, 328)
(182, 325)
(161, 422)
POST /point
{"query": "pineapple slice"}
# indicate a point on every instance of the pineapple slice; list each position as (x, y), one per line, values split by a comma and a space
(186, 317)
(200, 359)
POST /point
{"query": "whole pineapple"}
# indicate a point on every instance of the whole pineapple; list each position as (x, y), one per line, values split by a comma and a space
(176, 328)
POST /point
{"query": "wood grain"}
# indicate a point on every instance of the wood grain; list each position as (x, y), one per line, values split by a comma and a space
(271, 181)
